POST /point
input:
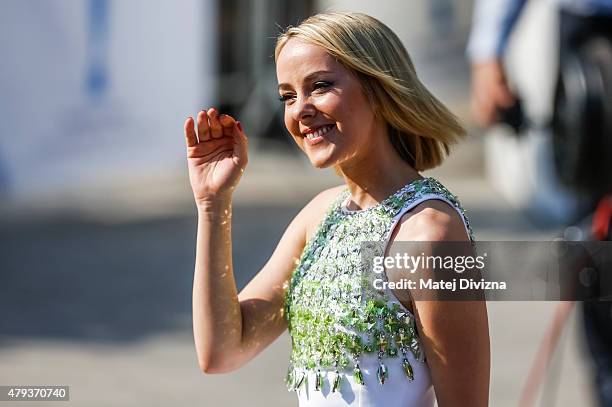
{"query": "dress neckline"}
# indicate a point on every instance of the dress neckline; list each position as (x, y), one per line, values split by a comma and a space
(385, 202)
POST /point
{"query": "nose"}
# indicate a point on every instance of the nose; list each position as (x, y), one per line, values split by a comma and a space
(303, 108)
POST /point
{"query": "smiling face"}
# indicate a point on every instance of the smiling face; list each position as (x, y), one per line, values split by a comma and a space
(326, 111)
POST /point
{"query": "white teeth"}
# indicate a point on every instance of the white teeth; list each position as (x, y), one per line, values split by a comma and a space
(319, 132)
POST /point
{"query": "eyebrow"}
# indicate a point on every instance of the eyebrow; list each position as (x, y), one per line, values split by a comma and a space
(307, 78)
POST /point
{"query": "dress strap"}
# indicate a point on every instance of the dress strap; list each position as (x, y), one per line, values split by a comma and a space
(420, 198)
(427, 197)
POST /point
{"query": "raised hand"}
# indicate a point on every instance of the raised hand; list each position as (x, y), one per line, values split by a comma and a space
(216, 155)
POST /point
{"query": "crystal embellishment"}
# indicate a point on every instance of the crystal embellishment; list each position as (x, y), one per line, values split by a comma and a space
(408, 369)
(333, 316)
(318, 380)
(337, 380)
(382, 373)
(358, 374)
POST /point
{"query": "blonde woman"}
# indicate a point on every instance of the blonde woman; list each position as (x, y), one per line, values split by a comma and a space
(353, 102)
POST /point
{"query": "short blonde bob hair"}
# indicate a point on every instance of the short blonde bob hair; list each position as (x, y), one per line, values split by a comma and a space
(420, 127)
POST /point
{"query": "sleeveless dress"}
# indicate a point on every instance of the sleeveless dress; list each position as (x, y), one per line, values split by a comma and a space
(354, 345)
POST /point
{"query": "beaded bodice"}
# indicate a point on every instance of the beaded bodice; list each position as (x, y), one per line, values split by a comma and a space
(333, 316)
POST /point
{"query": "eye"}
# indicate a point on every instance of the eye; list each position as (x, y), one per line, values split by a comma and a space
(322, 85)
(285, 97)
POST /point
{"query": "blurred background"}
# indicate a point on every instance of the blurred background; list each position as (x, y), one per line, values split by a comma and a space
(97, 221)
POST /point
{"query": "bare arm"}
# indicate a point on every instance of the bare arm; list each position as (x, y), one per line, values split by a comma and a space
(216, 158)
(490, 92)
(217, 324)
(230, 328)
(493, 22)
(454, 334)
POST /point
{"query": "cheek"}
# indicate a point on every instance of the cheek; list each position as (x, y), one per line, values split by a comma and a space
(292, 127)
(330, 105)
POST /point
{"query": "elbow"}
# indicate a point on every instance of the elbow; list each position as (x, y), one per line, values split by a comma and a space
(211, 366)
(208, 368)
(220, 359)
(205, 366)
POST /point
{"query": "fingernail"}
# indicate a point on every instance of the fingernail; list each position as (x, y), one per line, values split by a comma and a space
(239, 126)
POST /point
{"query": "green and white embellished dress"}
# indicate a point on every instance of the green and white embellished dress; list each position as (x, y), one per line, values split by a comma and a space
(353, 345)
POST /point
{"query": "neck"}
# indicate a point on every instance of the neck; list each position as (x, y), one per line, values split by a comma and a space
(376, 174)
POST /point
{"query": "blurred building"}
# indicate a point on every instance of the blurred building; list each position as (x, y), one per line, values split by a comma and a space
(246, 83)
(94, 93)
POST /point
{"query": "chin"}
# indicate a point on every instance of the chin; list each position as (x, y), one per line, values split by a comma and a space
(324, 158)
(322, 162)
(319, 164)
(322, 166)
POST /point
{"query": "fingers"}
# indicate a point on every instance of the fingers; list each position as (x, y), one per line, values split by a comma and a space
(490, 91)
(216, 130)
(203, 127)
(487, 102)
(210, 125)
(504, 96)
(190, 134)
(240, 145)
(484, 111)
(227, 125)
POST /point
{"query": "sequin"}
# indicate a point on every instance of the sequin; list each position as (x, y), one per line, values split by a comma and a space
(332, 315)
(337, 381)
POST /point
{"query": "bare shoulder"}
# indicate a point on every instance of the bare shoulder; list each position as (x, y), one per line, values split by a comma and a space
(432, 220)
(314, 212)
(326, 197)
